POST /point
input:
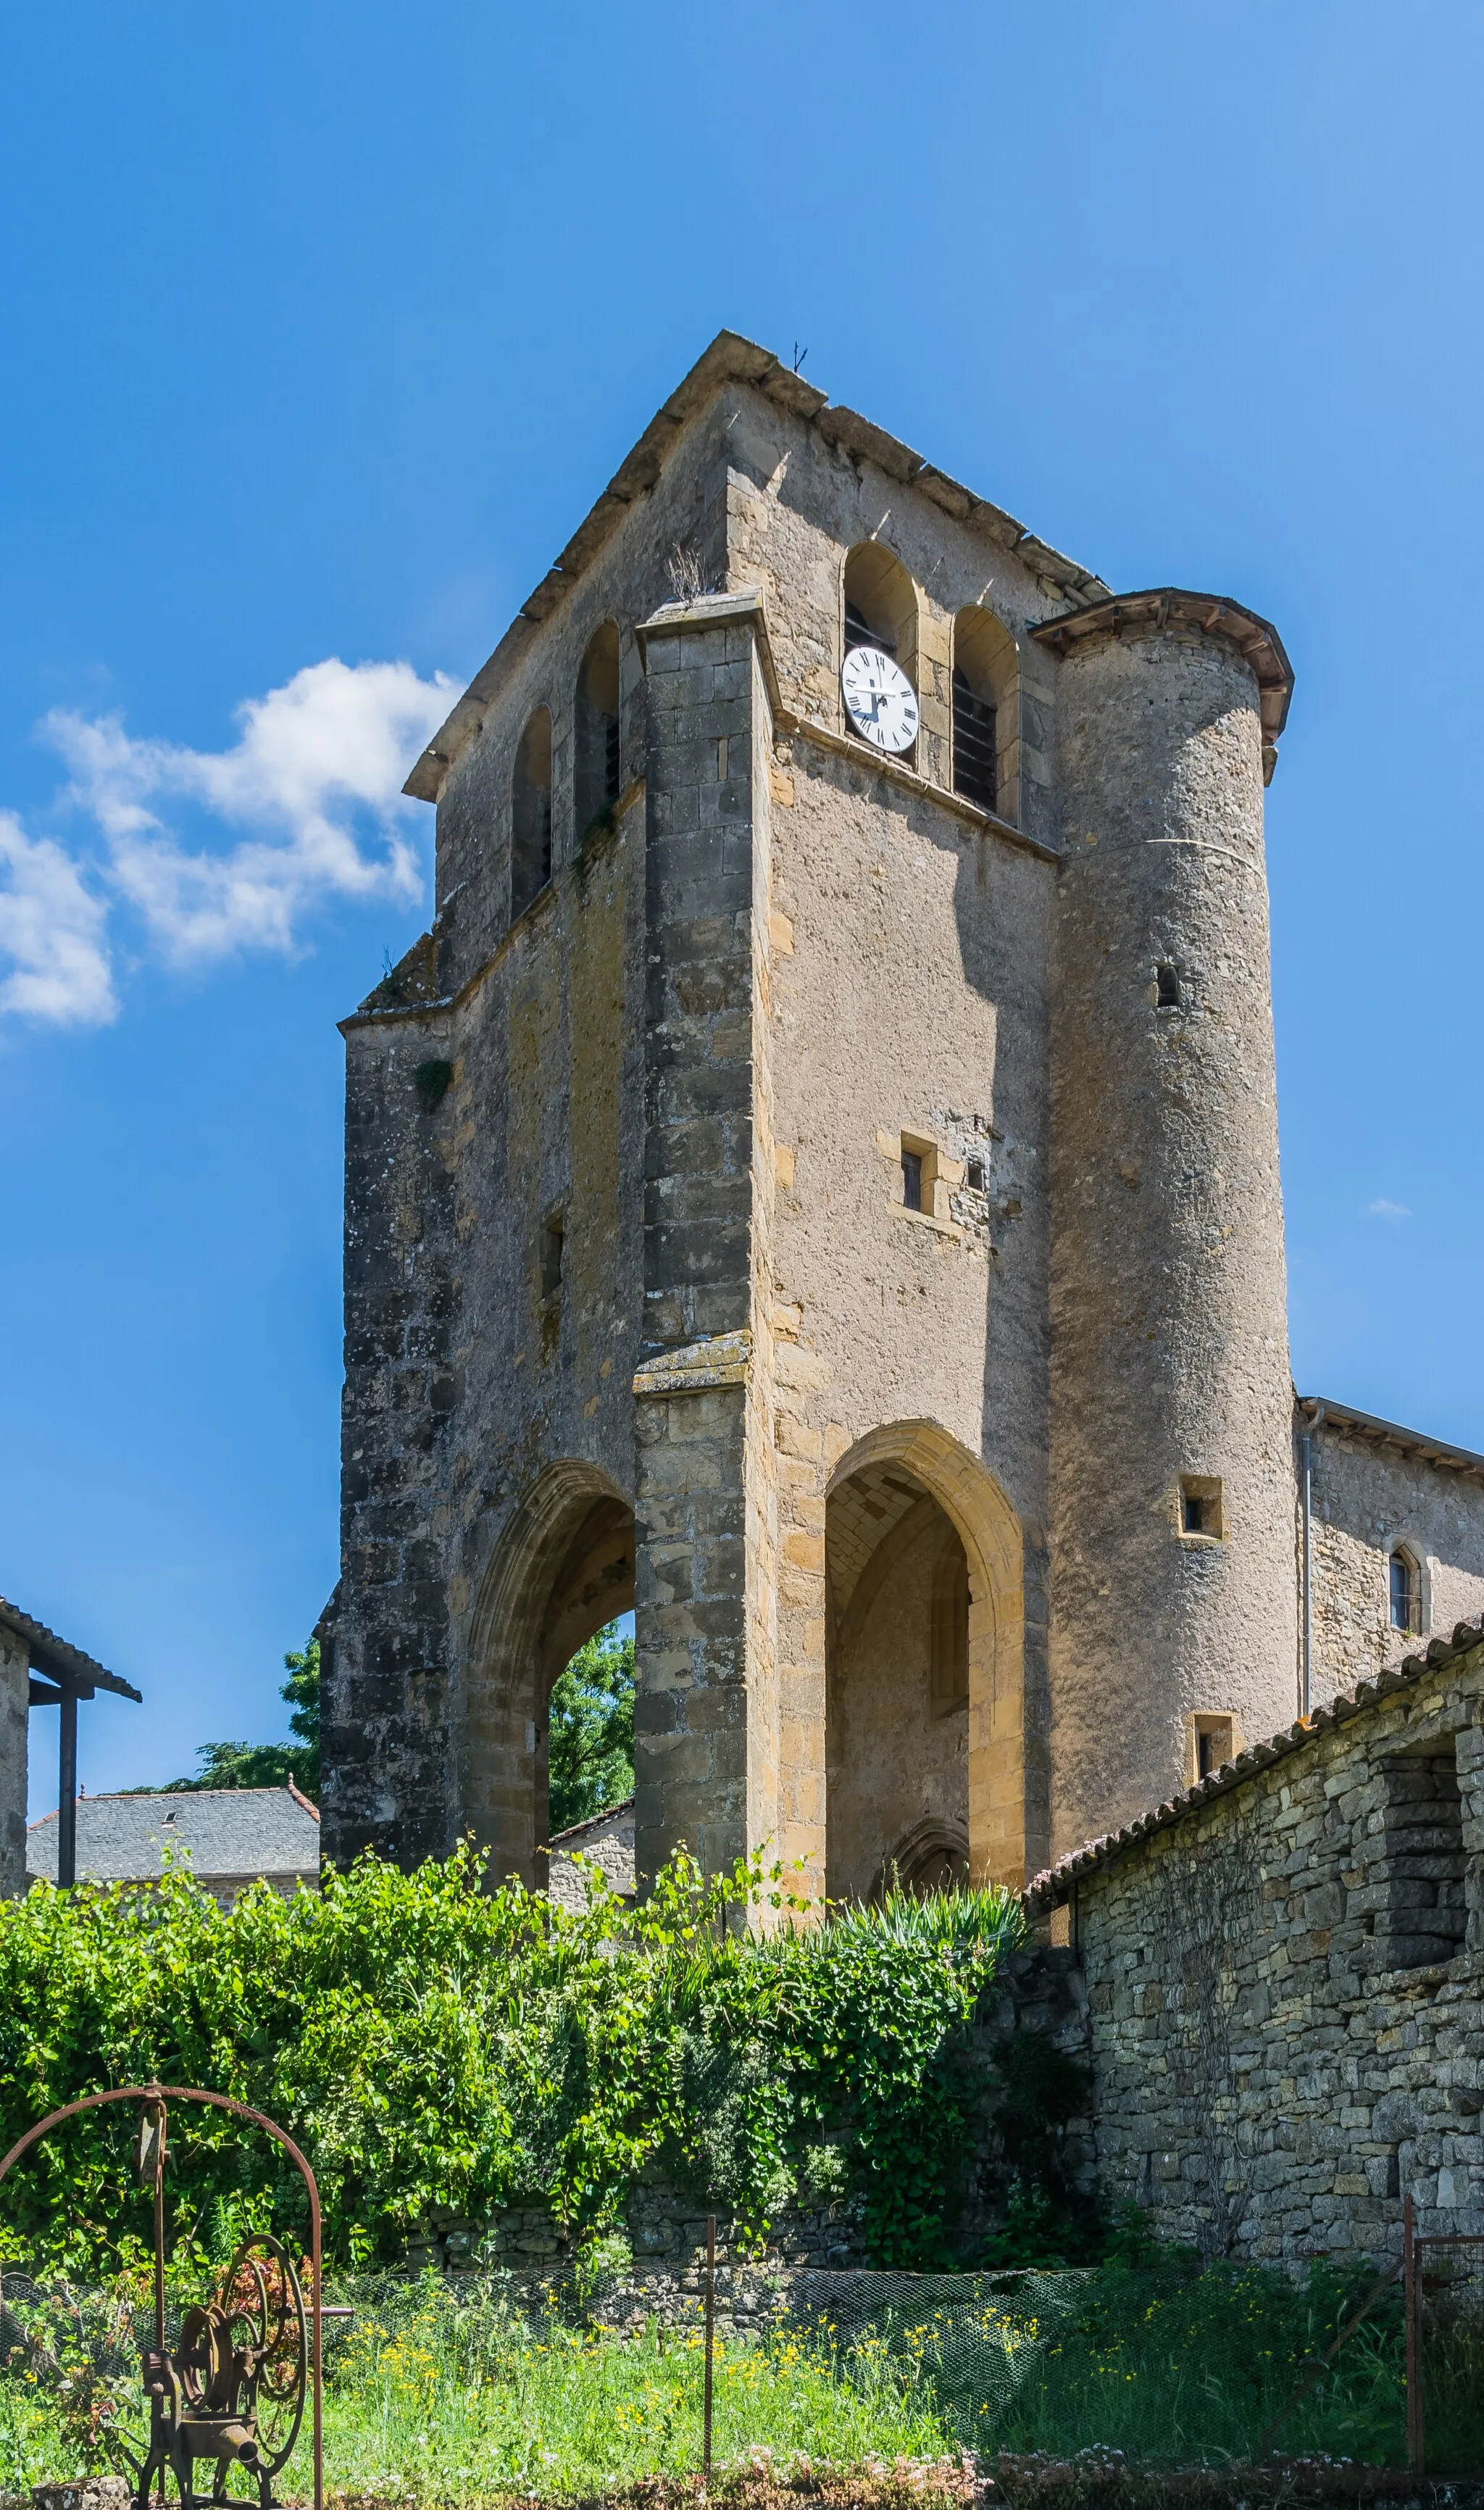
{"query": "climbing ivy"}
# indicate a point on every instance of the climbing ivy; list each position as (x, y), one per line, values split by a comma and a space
(436, 2045)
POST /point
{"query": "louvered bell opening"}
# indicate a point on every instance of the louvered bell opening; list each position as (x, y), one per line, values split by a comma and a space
(976, 760)
(858, 632)
(611, 758)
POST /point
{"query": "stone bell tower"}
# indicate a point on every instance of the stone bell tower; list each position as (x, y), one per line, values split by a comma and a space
(815, 1185)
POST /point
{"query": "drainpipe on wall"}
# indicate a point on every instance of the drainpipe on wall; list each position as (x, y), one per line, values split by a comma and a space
(1311, 1421)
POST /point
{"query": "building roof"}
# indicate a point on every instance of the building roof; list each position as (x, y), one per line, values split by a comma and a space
(223, 1831)
(730, 358)
(1388, 1433)
(581, 1830)
(52, 1655)
(1048, 1889)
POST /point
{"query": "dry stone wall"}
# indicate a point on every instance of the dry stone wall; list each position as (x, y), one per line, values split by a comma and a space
(1282, 1973)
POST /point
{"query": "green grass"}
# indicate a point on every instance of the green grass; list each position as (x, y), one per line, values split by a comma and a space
(454, 2400)
(445, 2398)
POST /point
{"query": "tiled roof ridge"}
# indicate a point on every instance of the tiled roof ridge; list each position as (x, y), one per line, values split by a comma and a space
(1045, 1888)
(728, 359)
(197, 1795)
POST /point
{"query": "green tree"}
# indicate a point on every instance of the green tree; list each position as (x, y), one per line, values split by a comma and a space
(591, 1748)
(272, 1765)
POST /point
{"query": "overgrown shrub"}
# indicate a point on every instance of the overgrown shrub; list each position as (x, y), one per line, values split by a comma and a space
(436, 2046)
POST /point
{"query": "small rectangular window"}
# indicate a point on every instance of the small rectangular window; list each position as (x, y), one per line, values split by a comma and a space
(1213, 1740)
(912, 1180)
(1201, 1511)
(1167, 988)
(975, 1176)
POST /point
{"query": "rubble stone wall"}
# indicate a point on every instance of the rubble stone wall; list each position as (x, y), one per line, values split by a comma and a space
(1282, 1978)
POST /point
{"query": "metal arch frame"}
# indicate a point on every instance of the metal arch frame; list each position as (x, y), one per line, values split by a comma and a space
(156, 2095)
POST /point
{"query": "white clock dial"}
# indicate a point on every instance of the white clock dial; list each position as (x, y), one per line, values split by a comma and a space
(879, 699)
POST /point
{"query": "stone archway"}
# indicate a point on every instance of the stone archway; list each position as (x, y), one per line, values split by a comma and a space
(924, 1746)
(563, 1568)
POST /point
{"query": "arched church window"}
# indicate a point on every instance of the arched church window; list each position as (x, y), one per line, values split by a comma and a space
(948, 1657)
(598, 764)
(986, 685)
(531, 814)
(1403, 1590)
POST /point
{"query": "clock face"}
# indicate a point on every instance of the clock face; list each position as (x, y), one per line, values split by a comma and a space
(879, 699)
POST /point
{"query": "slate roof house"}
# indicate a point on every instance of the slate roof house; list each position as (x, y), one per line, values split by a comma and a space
(228, 1836)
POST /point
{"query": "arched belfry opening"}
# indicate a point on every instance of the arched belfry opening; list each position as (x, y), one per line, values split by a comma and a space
(879, 605)
(924, 1765)
(597, 775)
(561, 1571)
(986, 714)
(531, 812)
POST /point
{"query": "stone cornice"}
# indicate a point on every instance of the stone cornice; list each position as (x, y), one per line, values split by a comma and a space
(717, 1360)
(1256, 639)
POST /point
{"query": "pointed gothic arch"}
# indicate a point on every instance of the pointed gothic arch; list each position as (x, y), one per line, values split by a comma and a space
(959, 1486)
(562, 1568)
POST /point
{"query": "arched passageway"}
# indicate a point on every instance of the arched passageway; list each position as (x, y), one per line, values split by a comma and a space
(923, 1751)
(563, 1569)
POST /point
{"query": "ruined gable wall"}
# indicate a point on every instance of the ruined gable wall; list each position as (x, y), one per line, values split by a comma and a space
(1366, 1500)
(1274, 2067)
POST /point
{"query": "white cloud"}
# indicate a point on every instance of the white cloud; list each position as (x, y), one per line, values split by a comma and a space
(1381, 1209)
(52, 933)
(313, 779)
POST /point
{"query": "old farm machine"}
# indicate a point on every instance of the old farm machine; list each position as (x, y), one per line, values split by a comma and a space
(230, 2392)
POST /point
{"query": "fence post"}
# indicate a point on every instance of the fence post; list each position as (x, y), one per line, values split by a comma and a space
(1416, 2443)
(710, 2331)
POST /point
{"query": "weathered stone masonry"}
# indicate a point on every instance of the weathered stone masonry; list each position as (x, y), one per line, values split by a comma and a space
(639, 1309)
(1282, 1971)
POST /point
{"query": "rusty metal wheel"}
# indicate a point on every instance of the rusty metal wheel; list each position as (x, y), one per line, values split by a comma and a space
(263, 2313)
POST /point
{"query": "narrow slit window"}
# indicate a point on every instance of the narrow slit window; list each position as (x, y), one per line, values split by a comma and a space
(1403, 1585)
(912, 1180)
(1192, 1512)
(1167, 989)
(552, 1241)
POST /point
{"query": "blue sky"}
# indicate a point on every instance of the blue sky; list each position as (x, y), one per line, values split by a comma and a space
(324, 325)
